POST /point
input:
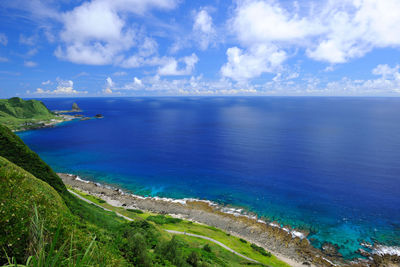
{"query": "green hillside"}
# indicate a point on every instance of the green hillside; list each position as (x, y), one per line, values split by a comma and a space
(42, 224)
(14, 149)
(18, 114)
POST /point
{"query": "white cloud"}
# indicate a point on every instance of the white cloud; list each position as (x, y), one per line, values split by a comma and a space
(3, 59)
(120, 73)
(30, 64)
(64, 87)
(203, 29)
(137, 81)
(266, 21)
(97, 32)
(109, 86)
(3, 39)
(137, 84)
(46, 82)
(107, 91)
(171, 66)
(257, 60)
(27, 40)
(328, 31)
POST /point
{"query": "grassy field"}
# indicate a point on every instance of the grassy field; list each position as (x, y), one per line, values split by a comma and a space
(18, 114)
(233, 242)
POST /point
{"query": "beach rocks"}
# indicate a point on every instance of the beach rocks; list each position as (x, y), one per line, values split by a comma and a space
(330, 249)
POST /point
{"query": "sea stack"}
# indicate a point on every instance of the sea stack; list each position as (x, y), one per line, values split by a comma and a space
(75, 107)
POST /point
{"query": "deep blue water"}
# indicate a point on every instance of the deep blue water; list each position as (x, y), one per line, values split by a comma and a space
(327, 164)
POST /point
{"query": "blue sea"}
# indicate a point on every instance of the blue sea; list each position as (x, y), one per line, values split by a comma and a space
(329, 165)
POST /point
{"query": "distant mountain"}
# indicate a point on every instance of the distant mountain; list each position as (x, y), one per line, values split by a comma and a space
(19, 114)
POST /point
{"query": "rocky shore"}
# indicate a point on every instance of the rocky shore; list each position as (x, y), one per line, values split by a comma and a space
(290, 245)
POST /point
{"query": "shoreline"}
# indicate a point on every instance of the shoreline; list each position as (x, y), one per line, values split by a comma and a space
(289, 245)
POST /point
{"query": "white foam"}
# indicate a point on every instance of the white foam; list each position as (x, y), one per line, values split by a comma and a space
(81, 180)
(297, 234)
(386, 250)
(237, 212)
(330, 261)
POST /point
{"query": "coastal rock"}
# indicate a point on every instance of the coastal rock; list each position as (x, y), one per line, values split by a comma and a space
(330, 249)
(363, 252)
(99, 116)
(75, 107)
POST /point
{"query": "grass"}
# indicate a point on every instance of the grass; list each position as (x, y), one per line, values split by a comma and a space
(18, 114)
(219, 254)
(233, 242)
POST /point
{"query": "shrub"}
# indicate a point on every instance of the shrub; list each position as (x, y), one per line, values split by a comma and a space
(161, 219)
(261, 250)
(135, 211)
(242, 240)
(172, 251)
(207, 248)
(193, 259)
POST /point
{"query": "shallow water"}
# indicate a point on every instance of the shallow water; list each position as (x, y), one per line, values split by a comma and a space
(326, 164)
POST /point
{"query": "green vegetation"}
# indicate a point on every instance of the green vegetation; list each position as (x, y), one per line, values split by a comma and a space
(14, 149)
(42, 224)
(18, 114)
(200, 229)
(161, 219)
(261, 250)
(135, 211)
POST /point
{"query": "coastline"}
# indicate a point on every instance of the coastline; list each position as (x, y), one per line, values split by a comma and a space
(45, 124)
(289, 245)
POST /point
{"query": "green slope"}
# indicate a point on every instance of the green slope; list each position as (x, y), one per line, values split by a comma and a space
(20, 190)
(15, 150)
(17, 113)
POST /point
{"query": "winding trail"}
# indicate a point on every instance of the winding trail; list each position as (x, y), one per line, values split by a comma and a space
(91, 202)
(214, 241)
(171, 231)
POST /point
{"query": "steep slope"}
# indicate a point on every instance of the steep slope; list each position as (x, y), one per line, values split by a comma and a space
(14, 149)
(20, 192)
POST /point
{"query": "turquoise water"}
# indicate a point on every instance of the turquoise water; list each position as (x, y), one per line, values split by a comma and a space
(328, 165)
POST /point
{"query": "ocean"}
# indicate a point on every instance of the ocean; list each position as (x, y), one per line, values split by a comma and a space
(329, 165)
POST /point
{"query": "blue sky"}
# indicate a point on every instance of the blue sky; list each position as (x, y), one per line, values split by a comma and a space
(59, 48)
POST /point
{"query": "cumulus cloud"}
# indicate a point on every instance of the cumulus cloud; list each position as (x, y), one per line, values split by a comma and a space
(203, 29)
(243, 65)
(3, 39)
(266, 21)
(30, 64)
(171, 66)
(97, 32)
(328, 31)
(109, 86)
(64, 87)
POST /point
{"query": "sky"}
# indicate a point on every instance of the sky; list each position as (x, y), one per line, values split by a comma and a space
(62, 48)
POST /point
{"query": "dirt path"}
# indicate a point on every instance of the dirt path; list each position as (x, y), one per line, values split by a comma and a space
(170, 231)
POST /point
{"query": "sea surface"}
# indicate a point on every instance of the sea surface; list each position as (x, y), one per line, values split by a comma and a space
(329, 165)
